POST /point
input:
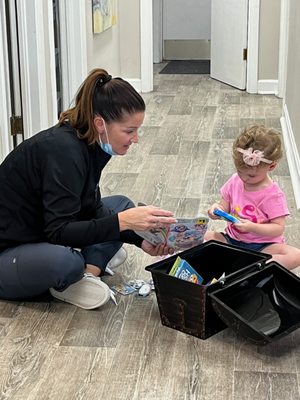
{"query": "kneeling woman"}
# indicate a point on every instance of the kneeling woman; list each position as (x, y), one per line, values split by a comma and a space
(55, 230)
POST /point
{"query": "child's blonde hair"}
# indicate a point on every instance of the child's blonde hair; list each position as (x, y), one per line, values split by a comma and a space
(257, 137)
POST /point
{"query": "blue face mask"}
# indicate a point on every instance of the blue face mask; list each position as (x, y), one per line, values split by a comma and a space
(106, 146)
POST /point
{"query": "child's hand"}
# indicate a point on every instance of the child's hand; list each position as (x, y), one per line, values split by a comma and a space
(210, 212)
(245, 226)
(273, 228)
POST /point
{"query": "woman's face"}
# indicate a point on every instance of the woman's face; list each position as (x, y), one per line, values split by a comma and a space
(121, 134)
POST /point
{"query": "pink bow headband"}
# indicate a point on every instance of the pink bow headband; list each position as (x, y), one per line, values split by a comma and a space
(253, 157)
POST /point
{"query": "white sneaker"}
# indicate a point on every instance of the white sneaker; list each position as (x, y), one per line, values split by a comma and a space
(117, 259)
(90, 292)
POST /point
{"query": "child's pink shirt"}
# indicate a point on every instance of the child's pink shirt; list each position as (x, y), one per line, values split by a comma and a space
(260, 206)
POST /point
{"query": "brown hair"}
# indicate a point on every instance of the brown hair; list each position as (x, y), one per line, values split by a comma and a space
(259, 137)
(100, 94)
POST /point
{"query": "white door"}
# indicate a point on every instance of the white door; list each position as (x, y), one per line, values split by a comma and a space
(228, 40)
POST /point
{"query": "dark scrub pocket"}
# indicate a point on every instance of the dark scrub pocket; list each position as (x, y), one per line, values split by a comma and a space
(10, 284)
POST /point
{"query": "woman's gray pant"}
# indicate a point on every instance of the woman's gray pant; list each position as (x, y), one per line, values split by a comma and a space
(31, 269)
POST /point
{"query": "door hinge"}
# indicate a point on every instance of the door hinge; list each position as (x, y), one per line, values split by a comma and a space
(16, 125)
(245, 54)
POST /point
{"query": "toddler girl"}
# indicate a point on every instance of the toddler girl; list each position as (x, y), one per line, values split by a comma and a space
(255, 199)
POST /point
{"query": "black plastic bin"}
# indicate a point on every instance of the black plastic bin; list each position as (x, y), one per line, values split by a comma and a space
(257, 299)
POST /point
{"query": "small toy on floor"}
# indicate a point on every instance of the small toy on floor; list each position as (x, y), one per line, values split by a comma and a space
(138, 286)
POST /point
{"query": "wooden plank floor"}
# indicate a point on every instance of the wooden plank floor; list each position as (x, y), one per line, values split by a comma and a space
(53, 350)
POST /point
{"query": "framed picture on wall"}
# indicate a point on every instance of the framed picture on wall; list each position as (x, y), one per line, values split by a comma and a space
(104, 14)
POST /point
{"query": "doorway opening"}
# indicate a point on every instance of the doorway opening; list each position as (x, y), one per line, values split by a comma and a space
(241, 26)
(181, 35)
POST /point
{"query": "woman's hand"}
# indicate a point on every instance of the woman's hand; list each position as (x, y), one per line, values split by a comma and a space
(143, 218)
(160, 250)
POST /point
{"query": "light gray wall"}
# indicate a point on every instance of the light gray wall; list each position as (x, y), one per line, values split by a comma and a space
(102, 48)
(269, 26)
(292, 97)
(117, 49)
(130, 38)
(191, 21)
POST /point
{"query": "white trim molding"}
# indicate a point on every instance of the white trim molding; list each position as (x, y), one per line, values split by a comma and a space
(73, 35)
(283, 46)
(267, 86)
(5, 109)
(38, 88)
(253, 39)
(291, 153)
(146, 49)
(157, 30)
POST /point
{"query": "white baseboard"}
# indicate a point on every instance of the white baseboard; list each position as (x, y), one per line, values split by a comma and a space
(267, 86)
(292, 153)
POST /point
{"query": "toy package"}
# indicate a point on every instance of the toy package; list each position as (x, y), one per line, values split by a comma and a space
(184, 234)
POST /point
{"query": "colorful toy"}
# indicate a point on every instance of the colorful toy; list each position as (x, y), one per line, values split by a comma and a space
(227, 217)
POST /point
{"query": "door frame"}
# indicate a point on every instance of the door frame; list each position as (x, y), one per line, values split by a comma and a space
(5, 108)
(73, 35)
(252, 45)
(253, 37)
(146, 45)
(283, 47)
(35, 71)
(74, 58)
(157, 31)
(37, 64)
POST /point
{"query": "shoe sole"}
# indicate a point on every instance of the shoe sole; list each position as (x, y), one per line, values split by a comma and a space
(84, 294)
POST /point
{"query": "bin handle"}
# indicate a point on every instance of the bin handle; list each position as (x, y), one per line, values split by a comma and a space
(260, 266)
(222, 281)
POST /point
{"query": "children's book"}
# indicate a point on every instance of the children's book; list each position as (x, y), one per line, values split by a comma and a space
(184, 234)
(183, 270)
(175, 266)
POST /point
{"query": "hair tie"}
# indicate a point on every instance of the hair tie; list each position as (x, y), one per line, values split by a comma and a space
(253, 157)
(103, 80)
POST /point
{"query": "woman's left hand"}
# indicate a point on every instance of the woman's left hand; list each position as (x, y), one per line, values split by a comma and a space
(159, 250)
